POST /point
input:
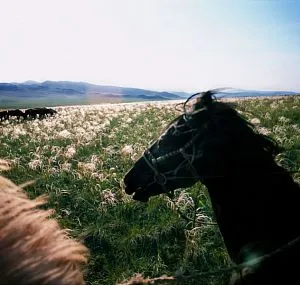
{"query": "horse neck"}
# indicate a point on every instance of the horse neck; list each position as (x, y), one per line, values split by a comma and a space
(255, 205)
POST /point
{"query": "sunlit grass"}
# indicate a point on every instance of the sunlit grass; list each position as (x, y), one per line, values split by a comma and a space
(79, 159)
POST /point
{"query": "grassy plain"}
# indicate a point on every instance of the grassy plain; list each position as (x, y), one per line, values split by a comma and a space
(79, 159)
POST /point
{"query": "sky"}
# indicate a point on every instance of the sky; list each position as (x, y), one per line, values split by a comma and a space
(171, 45)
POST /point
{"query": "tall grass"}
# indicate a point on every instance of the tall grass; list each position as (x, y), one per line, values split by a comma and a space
(79, 159)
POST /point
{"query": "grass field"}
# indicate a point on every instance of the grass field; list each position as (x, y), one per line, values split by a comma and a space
(79, 159)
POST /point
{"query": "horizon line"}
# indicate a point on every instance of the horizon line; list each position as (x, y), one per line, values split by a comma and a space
(149, 89)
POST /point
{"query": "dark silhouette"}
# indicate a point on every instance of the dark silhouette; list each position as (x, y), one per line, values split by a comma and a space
(35, 113)
(16, 113)
(256, 202)
(3, 116)
(31, 113)
(51, 112)
(39, 113)
(44, 112)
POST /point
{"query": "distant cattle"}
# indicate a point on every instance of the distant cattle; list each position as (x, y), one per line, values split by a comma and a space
(3, 116)
(51, 112)
(27, 114)
(44, 112)
(31, 113)
(15, 113)
(39, 113)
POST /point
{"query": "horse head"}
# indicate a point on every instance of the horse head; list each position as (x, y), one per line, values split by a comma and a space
(207, 141)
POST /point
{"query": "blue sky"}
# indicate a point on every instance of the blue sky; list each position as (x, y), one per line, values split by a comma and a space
(182, 45)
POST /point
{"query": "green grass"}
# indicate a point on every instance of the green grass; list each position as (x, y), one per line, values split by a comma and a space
(85, 187)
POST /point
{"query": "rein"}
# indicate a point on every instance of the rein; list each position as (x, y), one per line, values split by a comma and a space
(245, 268)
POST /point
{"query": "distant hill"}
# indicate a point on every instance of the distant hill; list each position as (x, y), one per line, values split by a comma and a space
(182, 94)
(252, 93)
(229, 93)
(53, 93)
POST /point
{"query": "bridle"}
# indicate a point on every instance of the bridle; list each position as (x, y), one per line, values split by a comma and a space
(162, 178)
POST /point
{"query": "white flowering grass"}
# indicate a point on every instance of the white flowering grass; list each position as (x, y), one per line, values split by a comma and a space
(79, 158)
(4, 165)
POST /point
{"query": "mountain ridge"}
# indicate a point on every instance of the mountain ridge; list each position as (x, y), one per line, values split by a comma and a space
(53, 93)
(71, 87)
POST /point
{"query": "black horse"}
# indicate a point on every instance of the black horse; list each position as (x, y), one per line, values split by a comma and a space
(3, 116)
(50, 112)
(16, 113)
(256, 202)
(31, 113)
(39, 113)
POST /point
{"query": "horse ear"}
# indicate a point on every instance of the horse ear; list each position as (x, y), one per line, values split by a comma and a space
(206, 98)
(203, 101)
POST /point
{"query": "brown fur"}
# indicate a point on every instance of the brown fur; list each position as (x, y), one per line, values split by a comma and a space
(33, 248)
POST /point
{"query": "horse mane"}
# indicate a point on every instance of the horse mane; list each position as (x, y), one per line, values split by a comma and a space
(228, 120)
(34, 250)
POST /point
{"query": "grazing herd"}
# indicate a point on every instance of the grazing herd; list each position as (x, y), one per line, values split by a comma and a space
(27, 114)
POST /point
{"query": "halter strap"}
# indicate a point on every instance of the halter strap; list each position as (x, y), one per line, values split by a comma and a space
(162, 178)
